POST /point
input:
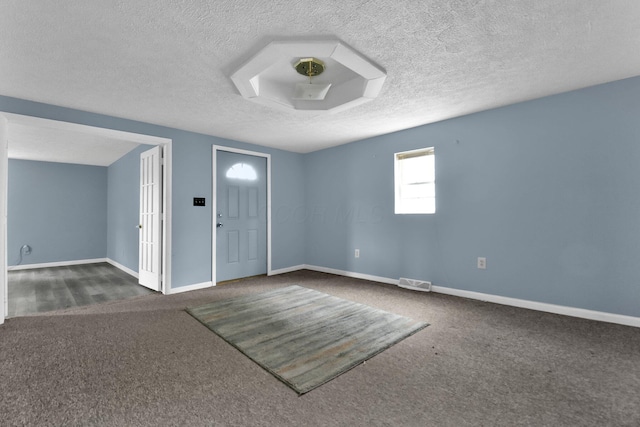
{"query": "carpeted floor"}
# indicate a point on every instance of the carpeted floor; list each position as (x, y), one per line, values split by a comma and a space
(145, 361)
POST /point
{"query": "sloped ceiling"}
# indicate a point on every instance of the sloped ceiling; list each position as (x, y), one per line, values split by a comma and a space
(168, 62)
(32, 138)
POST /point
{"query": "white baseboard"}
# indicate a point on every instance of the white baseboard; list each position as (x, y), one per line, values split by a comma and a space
(188, 288)
(123, 268)
(352, 274)
(55, 264)
(286, 270)
(600, 316)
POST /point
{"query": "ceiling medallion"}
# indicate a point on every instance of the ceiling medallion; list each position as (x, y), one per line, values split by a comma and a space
(321, 75)
(310, 67)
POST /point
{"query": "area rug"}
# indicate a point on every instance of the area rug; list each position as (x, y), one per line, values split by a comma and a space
(304, 337)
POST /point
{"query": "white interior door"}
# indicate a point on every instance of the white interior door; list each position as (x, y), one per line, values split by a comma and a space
(150, 227)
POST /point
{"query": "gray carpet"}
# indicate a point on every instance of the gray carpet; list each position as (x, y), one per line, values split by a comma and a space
(301, 336)
(140, 362)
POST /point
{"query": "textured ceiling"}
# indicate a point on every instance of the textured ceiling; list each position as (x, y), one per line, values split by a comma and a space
(169, 62)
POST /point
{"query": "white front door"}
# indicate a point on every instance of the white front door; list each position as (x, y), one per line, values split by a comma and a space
(150, 227)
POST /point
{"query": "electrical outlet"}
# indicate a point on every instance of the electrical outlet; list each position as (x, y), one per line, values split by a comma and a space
(357, 254)
(482, 263)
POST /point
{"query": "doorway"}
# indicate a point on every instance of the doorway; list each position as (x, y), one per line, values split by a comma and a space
(9, 121)
(241, 207)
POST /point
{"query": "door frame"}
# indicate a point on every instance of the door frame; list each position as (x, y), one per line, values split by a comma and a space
(214, 203)
(4, 175)
(167, 174)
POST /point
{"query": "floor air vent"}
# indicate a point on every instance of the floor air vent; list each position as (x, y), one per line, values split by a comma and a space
(416, 285)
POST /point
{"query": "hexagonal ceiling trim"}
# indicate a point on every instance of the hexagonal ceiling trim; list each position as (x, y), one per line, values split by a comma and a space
(269, 77)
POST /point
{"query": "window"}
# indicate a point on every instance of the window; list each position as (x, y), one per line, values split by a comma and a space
(242, 171)
(415, 182)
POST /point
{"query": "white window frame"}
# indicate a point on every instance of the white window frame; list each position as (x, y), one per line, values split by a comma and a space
(413, 205)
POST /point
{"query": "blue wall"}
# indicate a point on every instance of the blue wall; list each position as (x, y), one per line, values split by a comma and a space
(123, 208)
(192, 177)
(58, 209)
(546, 190)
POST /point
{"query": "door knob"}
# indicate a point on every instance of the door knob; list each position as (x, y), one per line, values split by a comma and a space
(218, 225)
